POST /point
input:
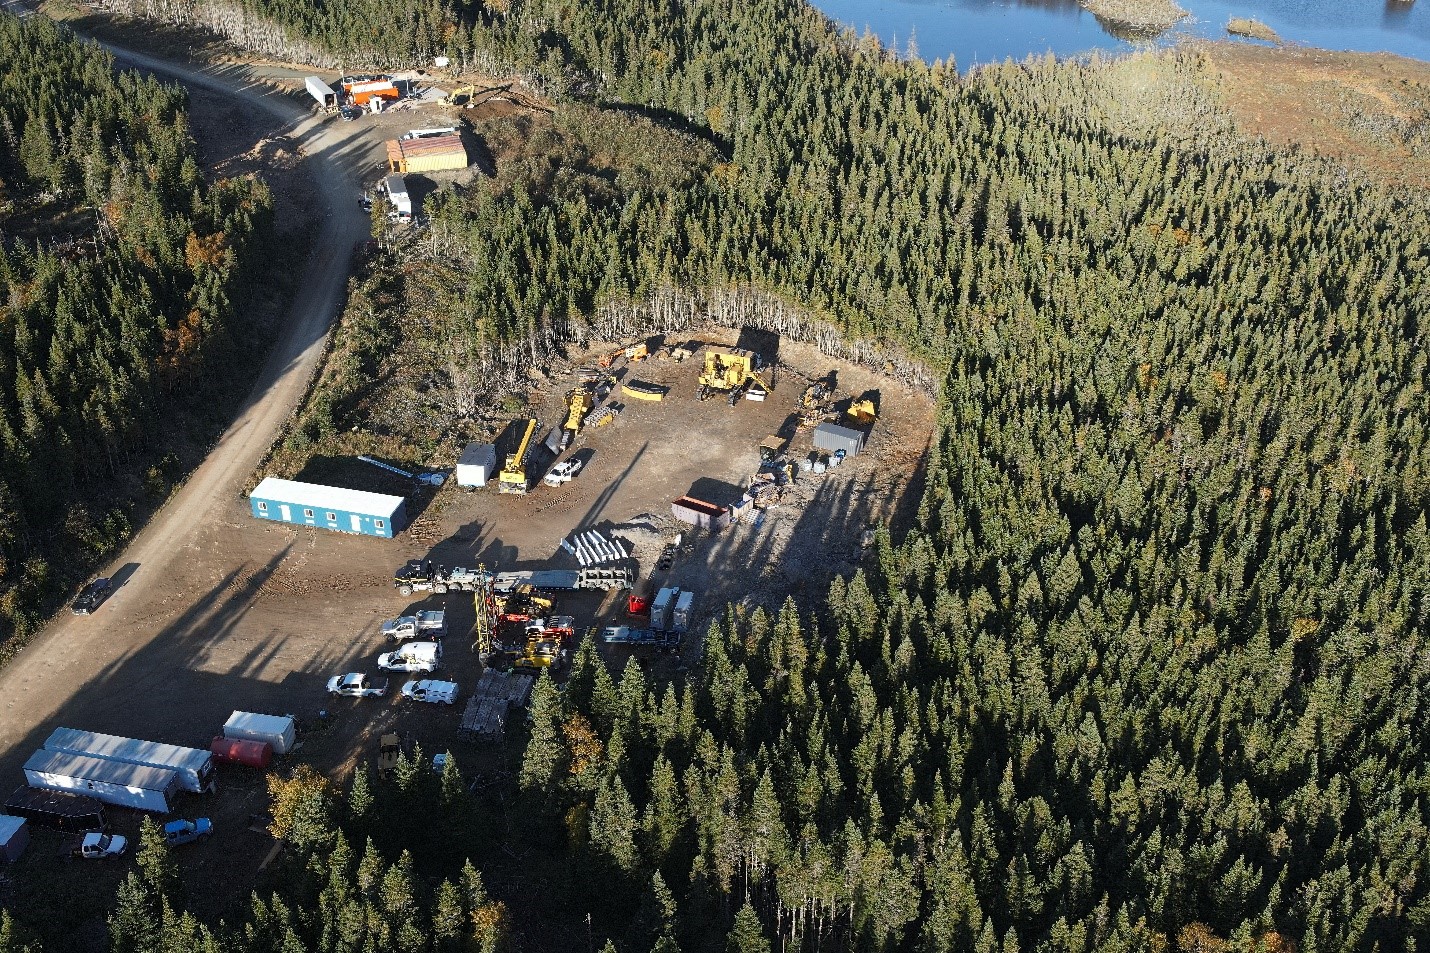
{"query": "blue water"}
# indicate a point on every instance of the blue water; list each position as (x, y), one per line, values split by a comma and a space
(974, 32)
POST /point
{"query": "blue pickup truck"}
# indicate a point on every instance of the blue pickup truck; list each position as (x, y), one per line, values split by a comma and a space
(184, 832)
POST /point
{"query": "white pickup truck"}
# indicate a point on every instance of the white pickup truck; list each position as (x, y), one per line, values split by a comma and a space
(356, 685)
(428, 690)
(427, 624)
(564, 472)
(412, 657)
(96, 845)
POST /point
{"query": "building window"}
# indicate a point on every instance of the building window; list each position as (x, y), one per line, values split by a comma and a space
(377, 523)
(307, 514)
(332, 517)
(262, 507)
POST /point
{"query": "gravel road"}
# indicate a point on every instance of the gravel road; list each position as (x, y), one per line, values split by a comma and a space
(74, 652)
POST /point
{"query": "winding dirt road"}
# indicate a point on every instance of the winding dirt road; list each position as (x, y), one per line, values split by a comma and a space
(67, 669)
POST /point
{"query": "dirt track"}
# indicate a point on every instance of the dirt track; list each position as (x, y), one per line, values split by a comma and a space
(74, 654)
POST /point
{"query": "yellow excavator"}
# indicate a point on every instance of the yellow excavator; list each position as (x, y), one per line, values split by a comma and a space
(512, 479)
(731, 370)
(578, 404)
(814, 402)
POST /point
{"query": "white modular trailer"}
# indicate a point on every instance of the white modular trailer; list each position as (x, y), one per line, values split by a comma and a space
(194, 766)
(397, 194)
(324, 94)
(477, 465)
(113, 782)
(278, 730)
(329, 507)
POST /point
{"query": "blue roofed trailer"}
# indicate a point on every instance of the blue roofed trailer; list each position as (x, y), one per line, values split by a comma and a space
(194, 765)
(113, 782)
(328, 507)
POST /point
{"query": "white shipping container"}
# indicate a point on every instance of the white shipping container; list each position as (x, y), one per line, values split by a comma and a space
(278, 730)
(113, 782)
(684, 608)
(477, 464)
(661, 608)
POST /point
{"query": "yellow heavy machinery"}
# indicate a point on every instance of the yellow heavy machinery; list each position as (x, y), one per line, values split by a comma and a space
(512, 479)
(861, 413)
(731, 370)
(578, 404)
(814, 402)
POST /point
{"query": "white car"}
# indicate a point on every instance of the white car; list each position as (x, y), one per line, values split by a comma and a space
(412, 657)
(96, 845)
(356, 685)
(429, 690)
(563, 472)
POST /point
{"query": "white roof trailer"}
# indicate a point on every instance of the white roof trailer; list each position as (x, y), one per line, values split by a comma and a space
(326, 97)
(113, 782)
(277, 730)
(194, 766)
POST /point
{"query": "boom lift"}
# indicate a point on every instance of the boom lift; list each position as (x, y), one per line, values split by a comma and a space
(512, 478)
(731, 370)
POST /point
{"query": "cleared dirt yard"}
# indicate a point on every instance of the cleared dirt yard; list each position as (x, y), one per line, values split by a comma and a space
(255, 616)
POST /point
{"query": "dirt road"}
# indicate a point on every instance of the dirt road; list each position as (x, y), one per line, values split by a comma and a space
(75, 652)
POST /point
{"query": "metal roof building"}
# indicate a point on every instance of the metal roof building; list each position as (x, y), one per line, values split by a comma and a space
(328, 507)
(427, 154)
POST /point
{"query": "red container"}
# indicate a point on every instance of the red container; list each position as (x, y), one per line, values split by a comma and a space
(255, 754)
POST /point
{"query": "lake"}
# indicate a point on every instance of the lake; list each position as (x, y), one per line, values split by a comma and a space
(986, 31)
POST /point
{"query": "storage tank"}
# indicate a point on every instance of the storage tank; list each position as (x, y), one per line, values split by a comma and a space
(254, 754)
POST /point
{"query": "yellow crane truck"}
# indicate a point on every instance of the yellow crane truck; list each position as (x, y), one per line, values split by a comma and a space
(512, 478)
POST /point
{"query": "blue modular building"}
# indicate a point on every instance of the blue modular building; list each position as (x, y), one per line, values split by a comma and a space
(328, 507)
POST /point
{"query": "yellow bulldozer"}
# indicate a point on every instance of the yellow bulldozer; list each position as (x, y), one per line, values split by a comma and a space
(729, 370)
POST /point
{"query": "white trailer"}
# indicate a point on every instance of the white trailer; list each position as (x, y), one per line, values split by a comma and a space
(327, 99)
(662, 608)
(113, 782)
(194, 766)
(278, 730)
(477, 465)
(684, 609)
(396, 190)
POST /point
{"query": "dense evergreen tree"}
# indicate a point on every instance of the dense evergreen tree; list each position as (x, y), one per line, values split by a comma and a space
(118, 268)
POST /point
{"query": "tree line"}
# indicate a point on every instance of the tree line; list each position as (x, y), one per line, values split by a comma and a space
(119, 267)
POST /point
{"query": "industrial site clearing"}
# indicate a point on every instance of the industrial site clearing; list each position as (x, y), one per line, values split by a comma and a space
(634, 513)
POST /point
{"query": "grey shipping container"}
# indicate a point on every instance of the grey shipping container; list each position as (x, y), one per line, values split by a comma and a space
(662, 607)
(700, 513)
(70, 813)
(113, 782)
(321, 92)
(832, 437)
(195, 766)
(684, 608)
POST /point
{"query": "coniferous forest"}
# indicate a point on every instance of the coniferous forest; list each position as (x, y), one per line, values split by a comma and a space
(119, 266)
(1150, 673)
